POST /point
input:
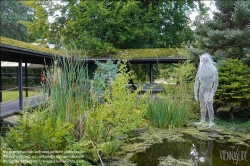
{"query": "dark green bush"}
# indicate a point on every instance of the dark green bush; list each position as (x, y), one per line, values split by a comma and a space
(234, 87)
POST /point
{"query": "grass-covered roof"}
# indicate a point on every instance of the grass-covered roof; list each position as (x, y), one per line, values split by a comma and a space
(128, 53)
(147, 53)
(27, 46)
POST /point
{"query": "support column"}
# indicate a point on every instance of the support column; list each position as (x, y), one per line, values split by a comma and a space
(151, 74)
(1, 87)
(20, 82)
(47, 84)
(17, 76)
(26, 80)
(1, 97)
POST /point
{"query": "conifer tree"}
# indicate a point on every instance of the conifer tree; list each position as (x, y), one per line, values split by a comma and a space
(227, 38)
(227, 35)
(234, 87)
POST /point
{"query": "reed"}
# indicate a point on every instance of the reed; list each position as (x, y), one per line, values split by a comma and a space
(165, 113)
(69, 86)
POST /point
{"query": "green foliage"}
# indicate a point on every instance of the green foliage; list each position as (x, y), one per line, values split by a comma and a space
(166, 114)
(69, 85)
(86, 147)
(181, 78)
(12, 14)
(142, 72)
(121, 113)
(180, 73)
(109, 148)
(9, 75)
(35, 131)
(227, 34)
(39, 25)
(101, 26)
(241, 125)
(233, 89)
(104, 73)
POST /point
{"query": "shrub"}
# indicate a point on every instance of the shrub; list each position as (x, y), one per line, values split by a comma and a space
(104, 73)
(234, 86)
(35, 131)
(121, 112)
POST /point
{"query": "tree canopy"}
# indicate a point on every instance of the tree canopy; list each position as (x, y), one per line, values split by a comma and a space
(12, 14)
(227, 35)
(106, 25)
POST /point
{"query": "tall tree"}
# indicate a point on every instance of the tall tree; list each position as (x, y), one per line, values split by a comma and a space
(12, 14)
(227, 35)
(114, 24)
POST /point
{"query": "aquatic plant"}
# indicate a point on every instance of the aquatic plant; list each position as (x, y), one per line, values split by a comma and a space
(69, 86)
(182, 75)
(165, 113)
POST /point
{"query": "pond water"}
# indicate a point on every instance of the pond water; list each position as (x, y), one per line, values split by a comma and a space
(199, 152)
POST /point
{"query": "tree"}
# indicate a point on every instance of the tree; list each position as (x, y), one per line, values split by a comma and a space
(234, 87)
(12, 14)
(105, 25)
(227, 35)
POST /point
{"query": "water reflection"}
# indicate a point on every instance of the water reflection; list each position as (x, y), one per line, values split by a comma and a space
(201, 153)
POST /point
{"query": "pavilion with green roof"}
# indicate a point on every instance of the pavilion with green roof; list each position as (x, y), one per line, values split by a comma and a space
(21, 52)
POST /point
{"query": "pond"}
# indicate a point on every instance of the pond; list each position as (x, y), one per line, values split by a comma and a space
(193, 152)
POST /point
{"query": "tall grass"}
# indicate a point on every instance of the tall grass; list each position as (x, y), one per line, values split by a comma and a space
(68, 83)
(167, 113)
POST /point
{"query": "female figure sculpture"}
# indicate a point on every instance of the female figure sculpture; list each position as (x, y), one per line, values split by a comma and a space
(206, 82)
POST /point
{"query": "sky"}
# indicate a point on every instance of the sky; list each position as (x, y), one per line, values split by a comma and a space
(209, 4)
(212, 8)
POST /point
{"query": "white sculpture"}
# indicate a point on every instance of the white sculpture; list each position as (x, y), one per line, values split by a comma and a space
(206, 82)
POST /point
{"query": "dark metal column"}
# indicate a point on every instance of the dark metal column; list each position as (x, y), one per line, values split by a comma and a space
(17, 77)
(1, 96)
(20, 82)
(26, 79)
(151, 74)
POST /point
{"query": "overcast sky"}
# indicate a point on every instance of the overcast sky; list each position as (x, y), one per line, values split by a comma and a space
(209, 4)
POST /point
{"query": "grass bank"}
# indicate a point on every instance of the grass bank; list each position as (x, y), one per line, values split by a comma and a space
(14, 95)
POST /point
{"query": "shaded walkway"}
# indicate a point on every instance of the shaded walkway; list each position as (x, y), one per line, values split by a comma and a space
(10, 108)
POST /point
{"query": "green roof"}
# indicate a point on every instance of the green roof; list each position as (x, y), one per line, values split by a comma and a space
(27, 46)
(122, 53)
(147, 53)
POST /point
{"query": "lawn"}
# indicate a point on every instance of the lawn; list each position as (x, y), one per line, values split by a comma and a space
(14, 95)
